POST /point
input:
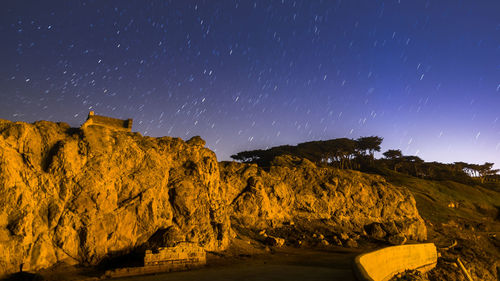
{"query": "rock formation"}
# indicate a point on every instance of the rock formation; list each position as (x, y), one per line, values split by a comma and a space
(80, 195)
(297, 190)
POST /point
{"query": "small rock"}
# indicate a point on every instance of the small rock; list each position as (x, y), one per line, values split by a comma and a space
(351, 243)
(275, 241)
(344, 236)
(337, 241)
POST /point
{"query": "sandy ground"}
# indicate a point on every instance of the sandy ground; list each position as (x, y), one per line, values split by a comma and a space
(245, 260)
(285, 264)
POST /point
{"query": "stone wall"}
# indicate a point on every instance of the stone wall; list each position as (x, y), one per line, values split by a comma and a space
(111, 123)
(183, 252)
(184, 255)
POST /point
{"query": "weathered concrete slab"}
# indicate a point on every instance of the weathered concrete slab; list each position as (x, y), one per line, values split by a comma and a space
(381, 265)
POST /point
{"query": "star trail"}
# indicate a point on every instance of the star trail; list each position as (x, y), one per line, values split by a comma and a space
(424, 75)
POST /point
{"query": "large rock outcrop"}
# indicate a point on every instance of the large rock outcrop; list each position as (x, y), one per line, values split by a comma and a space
(80, 195)
(294, 189)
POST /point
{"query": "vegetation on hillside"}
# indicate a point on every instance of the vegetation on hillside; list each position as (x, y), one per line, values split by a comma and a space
(358, 154)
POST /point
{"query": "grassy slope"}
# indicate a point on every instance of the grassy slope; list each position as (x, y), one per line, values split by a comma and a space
(475, 223)
(433, 198)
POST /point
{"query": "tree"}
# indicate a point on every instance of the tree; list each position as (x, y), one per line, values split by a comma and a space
(486, 170)
(393, 154)
(413, 161)
(342, 151)
(368, 144)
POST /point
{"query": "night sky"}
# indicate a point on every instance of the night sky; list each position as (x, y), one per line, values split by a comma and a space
(424, 75)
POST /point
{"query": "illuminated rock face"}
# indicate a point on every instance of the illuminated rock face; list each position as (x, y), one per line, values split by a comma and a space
(297, 190)
(79, 195)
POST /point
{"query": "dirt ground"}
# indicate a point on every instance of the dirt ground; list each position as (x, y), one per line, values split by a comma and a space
(244, 260)
(289, 264)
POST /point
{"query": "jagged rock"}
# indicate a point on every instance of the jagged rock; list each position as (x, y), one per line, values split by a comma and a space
(296, 189)
(375, 230)
(275, 241)
(196, 141)
(80, 195)
(397, 239)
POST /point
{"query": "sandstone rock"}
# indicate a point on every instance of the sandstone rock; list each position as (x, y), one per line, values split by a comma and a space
(196, 141)
(344, 236)
(397, 239)
(79, 196)
(275, 241)
(350, 243)
(375, 230)
(337, 241)
(295, 189)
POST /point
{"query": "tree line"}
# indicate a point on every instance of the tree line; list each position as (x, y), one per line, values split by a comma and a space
(358, 154)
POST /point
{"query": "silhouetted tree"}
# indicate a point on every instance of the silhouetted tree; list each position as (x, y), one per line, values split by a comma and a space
(485, 170)
(345, 153)
(393, 154)
(368, 145)
(342, 151)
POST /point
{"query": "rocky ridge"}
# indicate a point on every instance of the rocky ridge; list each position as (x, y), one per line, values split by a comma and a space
(295, 193)
(81, 195)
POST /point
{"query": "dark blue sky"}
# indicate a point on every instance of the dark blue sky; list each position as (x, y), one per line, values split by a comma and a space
(425, 75)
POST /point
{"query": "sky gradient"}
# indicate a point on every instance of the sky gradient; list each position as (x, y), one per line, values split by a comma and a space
(424, 75)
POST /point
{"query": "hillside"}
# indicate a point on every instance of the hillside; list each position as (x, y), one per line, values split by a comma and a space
(467, 214)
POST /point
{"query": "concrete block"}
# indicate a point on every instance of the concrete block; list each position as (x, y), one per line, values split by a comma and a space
(383, 264)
